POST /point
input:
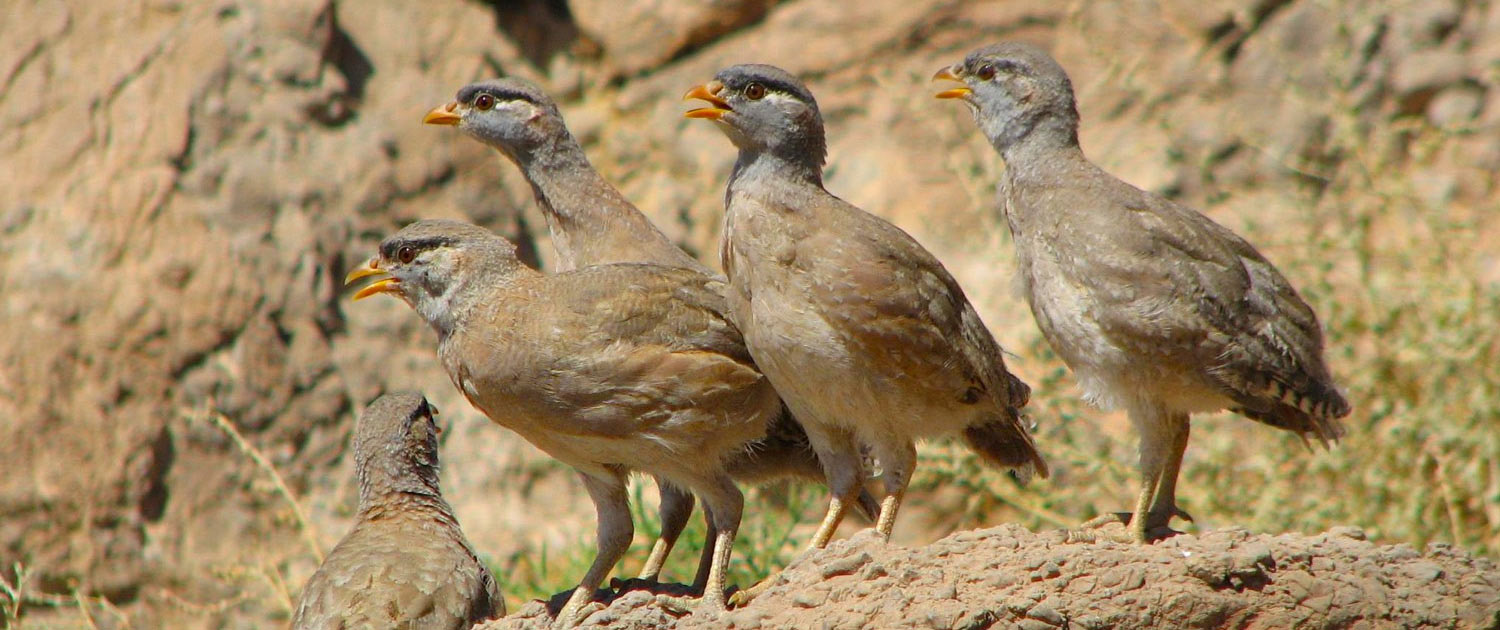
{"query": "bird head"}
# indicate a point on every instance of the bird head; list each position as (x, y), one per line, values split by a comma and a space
(438, 267)
(512, 115)
(1012, 89)
(763, 109)
(395, 446)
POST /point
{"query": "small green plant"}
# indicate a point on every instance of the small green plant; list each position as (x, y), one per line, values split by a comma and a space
(16, 594)
(770, 536)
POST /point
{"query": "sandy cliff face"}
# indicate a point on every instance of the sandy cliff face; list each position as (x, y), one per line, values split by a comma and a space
(184, 184)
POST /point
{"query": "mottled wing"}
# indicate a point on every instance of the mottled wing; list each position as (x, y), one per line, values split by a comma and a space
(890, 297)
(399, 572)
(624, 349)
(1174, 283)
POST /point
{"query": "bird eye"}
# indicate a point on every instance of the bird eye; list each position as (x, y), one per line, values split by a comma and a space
(755, 91)
(985, 72)
(484, 101)
(406, 254)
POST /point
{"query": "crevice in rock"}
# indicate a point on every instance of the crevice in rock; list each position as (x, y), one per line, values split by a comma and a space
(540, 28)
(153, 498)
(345, 56)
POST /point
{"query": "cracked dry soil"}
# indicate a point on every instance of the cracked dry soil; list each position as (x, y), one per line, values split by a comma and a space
(1009, 577)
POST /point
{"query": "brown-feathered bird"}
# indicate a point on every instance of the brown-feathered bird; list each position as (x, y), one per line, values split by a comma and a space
(610, 369)
(406, 563)
(1155, 307)
(592, 223)
(863, 332)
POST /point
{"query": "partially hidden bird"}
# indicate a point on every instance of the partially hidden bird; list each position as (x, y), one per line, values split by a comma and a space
(405, 563)
(1156, 308)
(592, 223)
(610, 369)
(867, 337)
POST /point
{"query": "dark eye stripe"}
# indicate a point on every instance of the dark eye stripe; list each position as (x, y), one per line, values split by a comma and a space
(468, 94)
(390, 248)
(773, 85)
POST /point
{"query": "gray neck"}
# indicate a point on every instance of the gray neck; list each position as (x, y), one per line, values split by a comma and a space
(591, 222)
(565, 182)
(1045, 146)
(763, 170)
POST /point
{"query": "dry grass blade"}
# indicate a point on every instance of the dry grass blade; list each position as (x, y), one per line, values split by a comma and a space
(304, 526)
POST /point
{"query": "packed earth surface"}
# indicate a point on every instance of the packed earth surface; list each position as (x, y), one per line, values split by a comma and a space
(1009, 577)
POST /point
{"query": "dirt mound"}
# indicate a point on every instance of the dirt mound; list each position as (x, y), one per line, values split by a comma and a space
(1010, 577)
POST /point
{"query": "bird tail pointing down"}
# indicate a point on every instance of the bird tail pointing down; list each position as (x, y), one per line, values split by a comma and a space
(1004, 442)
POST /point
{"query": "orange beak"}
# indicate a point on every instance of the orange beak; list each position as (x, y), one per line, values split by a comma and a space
(442, 115)
(952, 73)
(386, 284)
(708, 92)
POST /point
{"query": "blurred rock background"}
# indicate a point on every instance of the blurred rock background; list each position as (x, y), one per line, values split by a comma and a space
(184, 185)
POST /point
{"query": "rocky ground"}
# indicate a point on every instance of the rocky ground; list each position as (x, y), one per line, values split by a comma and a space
(1008, 577)
(185, 183)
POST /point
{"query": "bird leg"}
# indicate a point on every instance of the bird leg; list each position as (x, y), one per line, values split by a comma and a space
(899, 465)
(708, 557)
(724, 505)
(614, 532)
(676, 507)
(841, 463)
(839, 453)
(1158, 513)
(1164, 439)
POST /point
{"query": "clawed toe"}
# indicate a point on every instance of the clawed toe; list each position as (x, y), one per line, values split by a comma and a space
(1102, 520)
(1095, 529)
(1103, 528)
(573, 618)
(697, 605)
(743, 597)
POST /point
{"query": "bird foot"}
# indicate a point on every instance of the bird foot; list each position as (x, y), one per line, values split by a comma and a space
(743, 597)
(698, 605)
(1098, 528)
(573, 618)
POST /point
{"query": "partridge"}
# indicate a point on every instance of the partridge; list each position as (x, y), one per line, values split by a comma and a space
(592, 223)
(406, 563)
(869, 340)
(609, 369)
(1155, 308)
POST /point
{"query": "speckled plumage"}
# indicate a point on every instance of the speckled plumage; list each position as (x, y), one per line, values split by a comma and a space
(1155, 307)
(865, 334)
(592, 223)
(406, 563)
(610, 369)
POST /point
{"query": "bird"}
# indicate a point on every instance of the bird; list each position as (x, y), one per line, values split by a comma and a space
(611, 369)
(405, 563)
(592, 223)
(868, 338)
(1155, 308)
